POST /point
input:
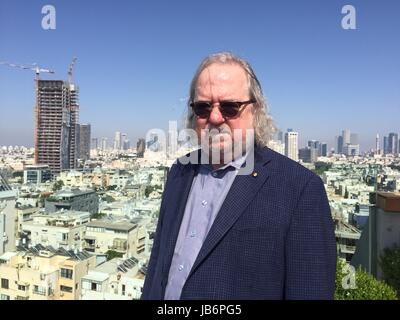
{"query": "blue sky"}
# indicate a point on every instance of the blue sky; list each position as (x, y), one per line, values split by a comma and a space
(136, 60)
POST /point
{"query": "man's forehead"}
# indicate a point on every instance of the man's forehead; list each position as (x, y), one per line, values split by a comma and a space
(223, 77)
(218, 72)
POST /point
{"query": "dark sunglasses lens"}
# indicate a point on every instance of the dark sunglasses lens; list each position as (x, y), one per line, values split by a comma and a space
(229, 109)
(201, 109)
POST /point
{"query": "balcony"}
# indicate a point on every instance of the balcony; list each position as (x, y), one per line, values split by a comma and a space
(347, 249)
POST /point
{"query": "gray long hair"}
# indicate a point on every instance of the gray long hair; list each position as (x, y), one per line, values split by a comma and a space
(263, 124)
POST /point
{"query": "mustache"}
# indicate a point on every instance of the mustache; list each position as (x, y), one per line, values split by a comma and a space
(213, 131)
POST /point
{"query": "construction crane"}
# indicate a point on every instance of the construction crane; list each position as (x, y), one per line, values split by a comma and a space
(33, 67)
(70, 69)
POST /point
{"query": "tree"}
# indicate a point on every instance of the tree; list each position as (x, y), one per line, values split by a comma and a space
(366, 286)
(98, 216)
(58, 185)
(108, 198)
(148, 190)
(111, 254)
(321, 167)
(390, 264)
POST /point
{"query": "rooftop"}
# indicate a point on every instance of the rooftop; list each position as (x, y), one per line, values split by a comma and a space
(72, 192)
(388, 201)
(120, 226)
(39, 249)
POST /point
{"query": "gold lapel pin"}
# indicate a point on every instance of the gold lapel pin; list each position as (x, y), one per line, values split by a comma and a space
(255, 174)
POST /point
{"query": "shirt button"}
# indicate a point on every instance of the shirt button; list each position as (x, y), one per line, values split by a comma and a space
(204, 203)
(193, 234)
(180, 268)
(214, 174)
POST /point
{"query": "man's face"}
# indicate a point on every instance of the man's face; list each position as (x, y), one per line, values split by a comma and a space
(223, 82)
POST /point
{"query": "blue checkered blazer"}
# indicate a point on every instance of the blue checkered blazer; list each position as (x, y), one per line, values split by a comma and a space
(273, 237)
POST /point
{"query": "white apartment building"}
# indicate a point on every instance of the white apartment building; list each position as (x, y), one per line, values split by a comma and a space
(292, 145)
(124, 237)
(117, 279)
(65, 229)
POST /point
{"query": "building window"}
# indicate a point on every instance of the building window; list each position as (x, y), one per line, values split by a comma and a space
(123, 289)
(66, 273)
(21, 288)
(39, 290)
(4, 283)
(66, 289)
(4, 297)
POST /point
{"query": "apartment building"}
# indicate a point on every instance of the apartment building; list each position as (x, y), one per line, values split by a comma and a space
(43, 273)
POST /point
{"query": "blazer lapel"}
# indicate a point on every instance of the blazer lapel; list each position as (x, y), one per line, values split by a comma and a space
(243, 190)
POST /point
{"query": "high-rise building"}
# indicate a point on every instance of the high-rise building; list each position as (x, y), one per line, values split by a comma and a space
(140, 147)
(308, 154)
(77, 139)
(95, 143)
(377, 144)
(117, 141)
(125, 143)
(291, 145)
(385, 145)
(103, 144)
(354, 138)
(84, 142)
(324, 149)
(393, 141)
(316, 145)
(339, 145)
(56, 115)
(346, 137)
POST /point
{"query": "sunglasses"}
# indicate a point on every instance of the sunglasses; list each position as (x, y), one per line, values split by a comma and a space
(228, 109)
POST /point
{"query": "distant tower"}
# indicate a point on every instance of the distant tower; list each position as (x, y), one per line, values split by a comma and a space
(84, 142)
(377, 144)
(291, 145)
(393, 143)
(339, 145)
(140, 147)
(324, 149)
(385, 145)
(95, 143)
(104, 144)
(346, 137)
(117, 141)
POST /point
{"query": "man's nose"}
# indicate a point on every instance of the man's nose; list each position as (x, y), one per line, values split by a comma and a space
(216, 117)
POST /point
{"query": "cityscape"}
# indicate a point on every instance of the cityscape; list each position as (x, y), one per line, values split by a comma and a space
(79, 209)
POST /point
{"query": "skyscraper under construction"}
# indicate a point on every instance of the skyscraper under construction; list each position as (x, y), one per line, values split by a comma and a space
(56, 116)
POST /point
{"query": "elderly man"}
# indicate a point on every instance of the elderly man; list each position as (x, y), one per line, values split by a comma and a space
(225, 233)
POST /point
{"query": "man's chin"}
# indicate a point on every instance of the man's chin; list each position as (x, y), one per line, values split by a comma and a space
(219, 153)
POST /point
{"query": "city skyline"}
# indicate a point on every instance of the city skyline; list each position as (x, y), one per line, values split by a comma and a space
(134, 74)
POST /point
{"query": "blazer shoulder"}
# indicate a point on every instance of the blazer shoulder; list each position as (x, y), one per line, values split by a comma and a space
(286, 168)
